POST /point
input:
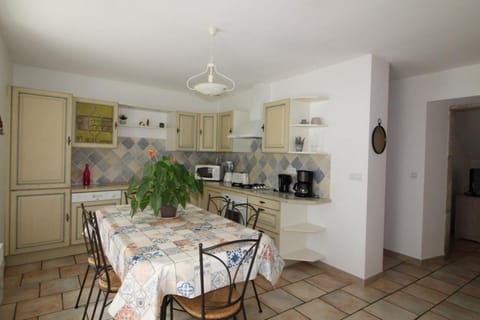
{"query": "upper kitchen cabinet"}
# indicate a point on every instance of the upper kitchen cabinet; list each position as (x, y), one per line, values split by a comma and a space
(225, 128)
(41, 133)
(275, 117)
(207, 132)
(95, 123)
(183, 136)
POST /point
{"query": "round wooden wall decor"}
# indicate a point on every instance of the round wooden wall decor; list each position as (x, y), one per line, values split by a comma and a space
(379, 138)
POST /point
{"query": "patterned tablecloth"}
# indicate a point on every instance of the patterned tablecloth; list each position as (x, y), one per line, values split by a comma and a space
(155, 256)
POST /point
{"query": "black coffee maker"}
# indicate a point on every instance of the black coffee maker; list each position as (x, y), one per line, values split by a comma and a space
(304, 185)
(284, 181)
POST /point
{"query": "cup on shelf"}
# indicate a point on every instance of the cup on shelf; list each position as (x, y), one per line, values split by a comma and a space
(316, 120)
(304, 121)
(161, 125)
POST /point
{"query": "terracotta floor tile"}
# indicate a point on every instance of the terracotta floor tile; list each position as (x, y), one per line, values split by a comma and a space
(69, 314)
(58, 262)
(309, 268)
(454, 312)
(70, 298)
(365, 293)
(409, 302)
(399, 277)
(318, 309)
(18, 270)
(22, 293)
(438, 285)
(289, 315)
(7, 311)
(40, 275)
(304, 290)
(466, 301)
(293, 274)
(385, 285)
(461, 271)
(471, 290)
(449, 277)
(12, 281)
(80, 258)
(432, 316)
(73, 270)
(278, 300)
(326, 282)
(361, 315)
(266, 285)
(251, 308)
(58, 286)
(412, 270)
(390, 262)
(424, 293)
(344, 301)
(385, 310)
(37, 307)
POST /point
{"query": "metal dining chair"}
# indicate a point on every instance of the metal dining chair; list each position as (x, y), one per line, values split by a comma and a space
(218, 204)
(253, 214)
(225, 302)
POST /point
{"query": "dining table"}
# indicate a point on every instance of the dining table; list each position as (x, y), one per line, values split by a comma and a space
(155, 256)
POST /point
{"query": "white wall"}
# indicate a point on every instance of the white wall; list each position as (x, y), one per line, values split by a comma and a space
(408, 181)
(5, 80)
(347, 113)
(102, 89)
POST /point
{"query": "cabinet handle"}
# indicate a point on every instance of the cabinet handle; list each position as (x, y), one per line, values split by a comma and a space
(230, 131)
(69, 140)
(262, 202)
(200, 131)
(263, 127)
(178, 130)
(68, 217)
(116, 125)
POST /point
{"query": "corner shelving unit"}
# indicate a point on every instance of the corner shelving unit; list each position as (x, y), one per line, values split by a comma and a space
(305, 108)
(136, 115)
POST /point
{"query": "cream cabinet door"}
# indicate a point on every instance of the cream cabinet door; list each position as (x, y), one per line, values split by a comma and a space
(207, 132)
(76, 235)
(214, 193)
(41, 133)
(225, 126)
(39, 220)
(186, 131)
(276, 115)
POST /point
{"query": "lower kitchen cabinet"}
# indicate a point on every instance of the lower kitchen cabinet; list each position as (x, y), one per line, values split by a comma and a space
(39, 220)
(214, 193)
(269, 218)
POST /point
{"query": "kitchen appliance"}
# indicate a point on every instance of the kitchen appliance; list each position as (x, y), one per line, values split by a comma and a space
(284, 181)
(209, 172)
(228, 167)
(304, 185)
(242, 211)
(239, 178)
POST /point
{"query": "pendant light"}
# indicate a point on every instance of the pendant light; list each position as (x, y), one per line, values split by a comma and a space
(211, 82)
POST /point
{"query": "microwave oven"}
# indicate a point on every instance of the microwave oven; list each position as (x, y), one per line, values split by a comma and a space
(209, 172)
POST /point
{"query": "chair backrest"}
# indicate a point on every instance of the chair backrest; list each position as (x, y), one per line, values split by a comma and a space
(219, 204)
(85, 230)
(240, 256)
(101, 262)
(252, 213)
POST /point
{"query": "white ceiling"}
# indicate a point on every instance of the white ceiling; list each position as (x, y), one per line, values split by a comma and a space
(162, 43)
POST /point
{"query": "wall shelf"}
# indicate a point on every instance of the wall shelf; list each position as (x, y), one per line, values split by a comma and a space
(303, 255)
(139, 127)
(300, 125)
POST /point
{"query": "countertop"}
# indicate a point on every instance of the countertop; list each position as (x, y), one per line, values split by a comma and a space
(99, 187)
(269, 194)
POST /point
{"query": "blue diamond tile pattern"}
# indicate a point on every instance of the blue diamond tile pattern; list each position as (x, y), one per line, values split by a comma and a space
(119, 165)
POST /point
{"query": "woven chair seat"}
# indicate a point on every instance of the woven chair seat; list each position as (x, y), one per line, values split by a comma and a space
(214, 298)
(115, 281)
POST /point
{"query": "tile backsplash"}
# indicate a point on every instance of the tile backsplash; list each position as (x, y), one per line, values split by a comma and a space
(119, 165)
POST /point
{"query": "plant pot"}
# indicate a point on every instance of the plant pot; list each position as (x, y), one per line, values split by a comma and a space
(299, 147)
(168, 211)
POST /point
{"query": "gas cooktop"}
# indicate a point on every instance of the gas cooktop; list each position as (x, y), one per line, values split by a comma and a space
(254, 186)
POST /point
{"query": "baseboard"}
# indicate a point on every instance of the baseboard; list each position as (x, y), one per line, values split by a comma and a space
(415, 261)
(31, 257)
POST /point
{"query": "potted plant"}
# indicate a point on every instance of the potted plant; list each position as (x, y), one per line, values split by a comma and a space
(123, 119)
(165, 185)
(299, 143)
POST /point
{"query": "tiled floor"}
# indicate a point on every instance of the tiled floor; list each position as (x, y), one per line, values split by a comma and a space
(437, 291)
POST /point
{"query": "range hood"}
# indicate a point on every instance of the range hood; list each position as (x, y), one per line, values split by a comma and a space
(251, 129)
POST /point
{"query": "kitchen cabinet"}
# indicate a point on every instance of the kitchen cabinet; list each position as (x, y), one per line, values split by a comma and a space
(207, 132)
(39, 220)
(276, 129)
(40, 170)
(269, 218)
(40, 141)
(95, 123)
(225, 128)
(182, 136)
(214, 193)
(92, 201)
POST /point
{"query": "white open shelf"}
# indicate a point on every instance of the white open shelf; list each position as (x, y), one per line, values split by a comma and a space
(300, 125)
(303, 255)
(305, 227)
(139, 127)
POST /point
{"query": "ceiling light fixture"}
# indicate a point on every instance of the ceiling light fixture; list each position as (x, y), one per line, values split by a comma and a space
(212, 87)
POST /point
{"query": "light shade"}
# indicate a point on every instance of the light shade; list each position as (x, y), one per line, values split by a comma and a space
(210, 88)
